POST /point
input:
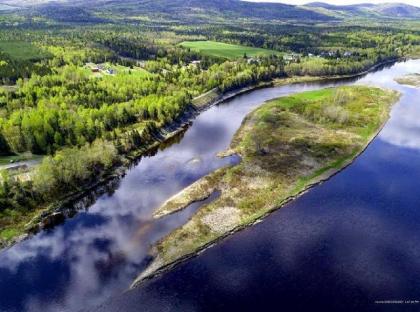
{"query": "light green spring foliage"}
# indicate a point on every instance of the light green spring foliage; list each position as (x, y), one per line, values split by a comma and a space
(71, 167)
(70, 107)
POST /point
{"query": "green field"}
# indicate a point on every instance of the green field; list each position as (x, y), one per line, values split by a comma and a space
(225, 50)
(135, 71)
(22, 51)
(119, 70)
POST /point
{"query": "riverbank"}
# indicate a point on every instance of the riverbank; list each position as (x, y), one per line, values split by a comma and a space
(56, 212)
(215, 97)
(287, 146)
(303, 79)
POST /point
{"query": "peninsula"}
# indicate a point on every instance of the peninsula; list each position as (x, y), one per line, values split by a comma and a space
(287, 146)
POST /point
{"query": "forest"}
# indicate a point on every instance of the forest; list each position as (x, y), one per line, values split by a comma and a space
(84, 94)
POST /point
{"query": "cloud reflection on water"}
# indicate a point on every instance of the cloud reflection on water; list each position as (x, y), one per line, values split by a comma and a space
(403, 129)
(100, 251)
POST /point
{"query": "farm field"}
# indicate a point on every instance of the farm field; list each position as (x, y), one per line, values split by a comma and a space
(22, 51)
(225, 50)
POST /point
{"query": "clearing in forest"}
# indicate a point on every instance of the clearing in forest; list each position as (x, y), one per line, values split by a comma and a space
(22, 51)
(226, 50)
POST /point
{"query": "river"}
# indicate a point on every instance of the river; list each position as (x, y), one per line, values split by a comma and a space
(347, 243)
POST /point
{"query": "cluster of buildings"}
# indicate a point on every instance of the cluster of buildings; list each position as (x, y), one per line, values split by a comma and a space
(290, 58)
(336, 54)
(101, 68)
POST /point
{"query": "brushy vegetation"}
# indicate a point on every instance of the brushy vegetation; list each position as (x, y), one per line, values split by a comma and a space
(286, 145)
(410, 80)
(226, 50)
(68, 171)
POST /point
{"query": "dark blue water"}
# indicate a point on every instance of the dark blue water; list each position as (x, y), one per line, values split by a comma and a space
(347, 243)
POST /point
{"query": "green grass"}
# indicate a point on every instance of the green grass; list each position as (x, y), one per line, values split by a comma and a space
(14, 223)
(225, 50)
(22, 51)
(11, 224)
(135, 72)
(8, 234)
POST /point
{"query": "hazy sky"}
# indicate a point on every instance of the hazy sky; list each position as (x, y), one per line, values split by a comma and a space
(412, 2)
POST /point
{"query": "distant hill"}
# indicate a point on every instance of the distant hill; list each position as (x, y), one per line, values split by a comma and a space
(400, 10)
(272, 11)
(385, 10)
(197, 10)
(23, 3)
(351, 7)
(182, 8)
(6, 7)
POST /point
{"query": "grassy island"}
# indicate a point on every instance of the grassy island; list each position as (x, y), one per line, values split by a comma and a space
(410, 80)
(287, 145)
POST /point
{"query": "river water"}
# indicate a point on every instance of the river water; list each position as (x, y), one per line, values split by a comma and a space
(345, 244)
